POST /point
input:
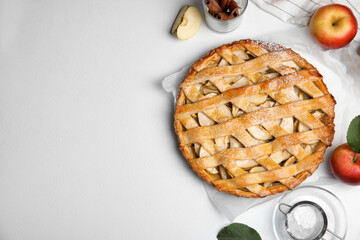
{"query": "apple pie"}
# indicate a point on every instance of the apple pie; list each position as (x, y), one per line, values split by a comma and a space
(253, 118)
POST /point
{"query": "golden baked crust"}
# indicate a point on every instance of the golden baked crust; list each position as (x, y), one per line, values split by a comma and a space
(254, 119)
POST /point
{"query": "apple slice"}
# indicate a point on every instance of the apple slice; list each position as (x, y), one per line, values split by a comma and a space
(187, 22)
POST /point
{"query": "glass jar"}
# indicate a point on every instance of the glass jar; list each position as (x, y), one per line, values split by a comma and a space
(224, 26)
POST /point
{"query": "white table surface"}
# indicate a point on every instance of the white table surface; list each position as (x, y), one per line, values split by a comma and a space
(87, 149)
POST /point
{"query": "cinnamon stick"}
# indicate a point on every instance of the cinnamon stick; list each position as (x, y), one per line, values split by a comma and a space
(233, 8)
(224, 4)
(223, 9)
(221, 16)
(213, 6)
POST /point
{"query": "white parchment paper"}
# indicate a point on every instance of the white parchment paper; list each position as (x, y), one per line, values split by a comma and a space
(341, 71)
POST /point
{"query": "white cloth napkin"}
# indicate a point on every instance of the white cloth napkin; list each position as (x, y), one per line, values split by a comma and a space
(299, 11)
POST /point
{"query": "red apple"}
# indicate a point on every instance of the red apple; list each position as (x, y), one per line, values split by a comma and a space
(344, 164)
(333, 26)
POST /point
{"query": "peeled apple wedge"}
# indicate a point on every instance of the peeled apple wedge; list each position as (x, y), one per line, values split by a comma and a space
(187, 22)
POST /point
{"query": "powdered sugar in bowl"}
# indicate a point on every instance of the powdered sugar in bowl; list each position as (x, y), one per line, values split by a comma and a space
(304, 220)
(309, 213)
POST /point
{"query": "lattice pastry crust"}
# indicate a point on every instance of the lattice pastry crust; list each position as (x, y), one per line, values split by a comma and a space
(254, 119)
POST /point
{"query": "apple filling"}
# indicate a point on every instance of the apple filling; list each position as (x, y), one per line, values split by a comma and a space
(226, 156)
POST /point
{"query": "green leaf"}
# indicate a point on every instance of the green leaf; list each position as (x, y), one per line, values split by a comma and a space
(353, 135)
(238, 231)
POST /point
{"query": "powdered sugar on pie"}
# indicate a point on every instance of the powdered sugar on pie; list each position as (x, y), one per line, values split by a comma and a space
(254, 118)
